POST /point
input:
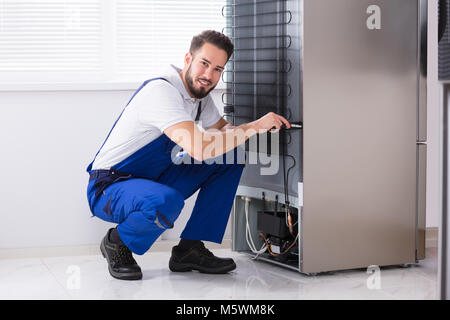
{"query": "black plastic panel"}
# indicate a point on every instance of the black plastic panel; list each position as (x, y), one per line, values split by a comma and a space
(263, 76)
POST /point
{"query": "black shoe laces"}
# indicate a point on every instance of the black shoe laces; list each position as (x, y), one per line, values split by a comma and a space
(123, 256)
(204, 250)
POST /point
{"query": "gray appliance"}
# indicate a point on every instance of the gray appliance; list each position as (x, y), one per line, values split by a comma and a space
(349, 191)
(444, 78)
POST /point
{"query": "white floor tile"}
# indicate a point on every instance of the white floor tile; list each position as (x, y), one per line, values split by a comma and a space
(87, 277)
(28, 279)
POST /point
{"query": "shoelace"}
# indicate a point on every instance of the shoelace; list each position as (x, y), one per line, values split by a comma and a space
(123, 256)
(203, 249)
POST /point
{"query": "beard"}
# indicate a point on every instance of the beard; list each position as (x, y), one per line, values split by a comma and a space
(198, 93)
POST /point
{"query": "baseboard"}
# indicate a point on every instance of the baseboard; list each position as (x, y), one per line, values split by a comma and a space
(22, 253)
(431, 241)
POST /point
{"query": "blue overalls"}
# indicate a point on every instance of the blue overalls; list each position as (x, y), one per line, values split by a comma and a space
(144, 194)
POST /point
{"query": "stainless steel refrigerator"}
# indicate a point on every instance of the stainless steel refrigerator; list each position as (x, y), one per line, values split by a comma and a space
(352, 180)
(444, 78)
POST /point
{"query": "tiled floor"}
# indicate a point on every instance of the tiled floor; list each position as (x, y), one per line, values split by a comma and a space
(86, 277)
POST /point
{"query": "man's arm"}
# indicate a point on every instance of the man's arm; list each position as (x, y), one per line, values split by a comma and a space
(221, 125)
(212, 143)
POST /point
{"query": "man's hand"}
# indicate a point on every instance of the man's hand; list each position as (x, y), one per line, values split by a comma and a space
(269, 121)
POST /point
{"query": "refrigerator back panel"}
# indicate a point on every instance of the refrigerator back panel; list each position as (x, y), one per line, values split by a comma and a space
(264, 76)
(360, 115)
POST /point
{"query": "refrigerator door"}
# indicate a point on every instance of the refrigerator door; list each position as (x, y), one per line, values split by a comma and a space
(360, 116)
(444, 223)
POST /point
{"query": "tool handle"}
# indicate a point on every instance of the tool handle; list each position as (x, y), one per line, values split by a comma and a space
(294, 126)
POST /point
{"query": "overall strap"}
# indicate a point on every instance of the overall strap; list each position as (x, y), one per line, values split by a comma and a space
(199, 110)
(89, 168)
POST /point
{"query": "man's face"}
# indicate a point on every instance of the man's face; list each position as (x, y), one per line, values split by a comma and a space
(204, 69)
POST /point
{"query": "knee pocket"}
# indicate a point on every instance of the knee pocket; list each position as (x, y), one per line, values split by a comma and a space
(166, 209)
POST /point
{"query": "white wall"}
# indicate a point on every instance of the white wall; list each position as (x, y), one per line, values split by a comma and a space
(48, 139)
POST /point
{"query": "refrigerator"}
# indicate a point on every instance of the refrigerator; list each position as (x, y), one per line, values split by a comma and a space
(444, 79)
(352, 181)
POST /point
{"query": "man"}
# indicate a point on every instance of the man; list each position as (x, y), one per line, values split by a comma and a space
(139, 181)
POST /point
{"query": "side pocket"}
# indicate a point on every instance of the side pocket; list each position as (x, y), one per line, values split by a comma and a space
(162, 222)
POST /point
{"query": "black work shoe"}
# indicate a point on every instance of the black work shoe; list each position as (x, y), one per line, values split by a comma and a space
(199, 258)
(121, 264)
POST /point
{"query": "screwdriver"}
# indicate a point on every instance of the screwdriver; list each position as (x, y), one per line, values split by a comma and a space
(296, 125)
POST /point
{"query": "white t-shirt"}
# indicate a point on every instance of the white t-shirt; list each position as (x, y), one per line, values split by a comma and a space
(155, 107)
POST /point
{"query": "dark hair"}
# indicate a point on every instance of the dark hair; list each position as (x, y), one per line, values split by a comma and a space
(214, 37)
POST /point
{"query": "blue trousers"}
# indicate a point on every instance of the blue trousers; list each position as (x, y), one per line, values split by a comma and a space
(145, 207)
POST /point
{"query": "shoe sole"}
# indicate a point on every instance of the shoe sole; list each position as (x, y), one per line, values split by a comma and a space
(186, 267)
(117, 275)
